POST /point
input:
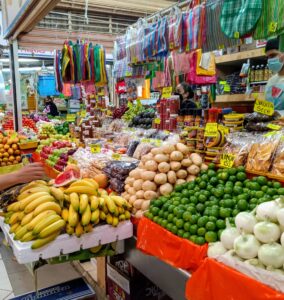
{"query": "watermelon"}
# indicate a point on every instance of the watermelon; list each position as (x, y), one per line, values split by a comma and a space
(71, 174)
(276, 92)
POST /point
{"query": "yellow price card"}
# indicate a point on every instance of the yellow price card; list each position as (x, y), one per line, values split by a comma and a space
(96, 148)
(116, 156)
(211, 130)
(70, 117)
(274, 126)
(264, 107)
(227, 160)
(167, 92)
(157, 121)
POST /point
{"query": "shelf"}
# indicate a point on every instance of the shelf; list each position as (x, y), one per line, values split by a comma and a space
(258, 82)
(240, 56)
(234, 98)
(169, 279)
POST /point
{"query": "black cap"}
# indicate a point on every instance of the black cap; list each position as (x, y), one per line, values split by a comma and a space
(272, 44)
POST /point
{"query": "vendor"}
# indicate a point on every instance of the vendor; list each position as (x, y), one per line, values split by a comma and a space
(27, 174)
(187, 96)
(274, 91)
(50, 107)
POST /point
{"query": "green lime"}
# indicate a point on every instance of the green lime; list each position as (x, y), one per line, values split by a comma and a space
(171, 208)
(252, 206)
(242, 205)
(175, 203)
(164, 223)
(202, 198)
(157, 203)
(194, 199)
(193, 229)
(203, 184)
(211, 166)
(196, 189)
(174, 229)
(259, 194)
(219, 192)
(190, 186)
(212, 219)
(241, 176)
(224, 212)
(200, 207)
(193, 219)
(161, 214)
(270, 192)
(155, 219)
(191, 209)
(213, 180)
(219, 233)
(261, 180)
(228, 190)
(200, 240)
(175, 219)
(160, 221)
(221, 224)
(211, 236)
(154, 210)
(210, 226)
(202, 221)
(281, 191)
(179, 188)
(186, 216)
(214, 212)
(166, 215)
(211, 173)
(264, 188)
(179, 223)
(237, 190)
(169, 226)
(255, 186)
(186, 235)
(261, 200)
(201, 231)
(235, 211)
(270, 183)
(243, 197)
(232, 178)
(176, 210)
(277, 185)
(150, 215)
(241, 169)
(193, 238)
(229, 203)
(232, 171)
(180, 232)
(170, 217)
(186, 226)
(186, 193)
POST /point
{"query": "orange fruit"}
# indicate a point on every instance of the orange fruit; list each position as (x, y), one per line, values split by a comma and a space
(15, 146)
(18, 158)
(17, 152)
(11, 158)
(10, 151)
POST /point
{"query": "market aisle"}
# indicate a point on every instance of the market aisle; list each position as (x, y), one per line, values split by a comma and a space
(15, 278)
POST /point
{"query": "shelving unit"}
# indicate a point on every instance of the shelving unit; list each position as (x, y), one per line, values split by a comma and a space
(234, 98)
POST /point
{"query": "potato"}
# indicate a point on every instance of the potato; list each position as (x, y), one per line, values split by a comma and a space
(134, 210)
(147, 157)
(141, 165)
(151, 165)
(176, 156)
(140, 194)
(145, 205)
(181, 174)
(126, 197)
(182, 148)
(138, 203)
(139, 214)
(175, 165)
(172, 178)
(149, 186)
(127, 187)
(164, 167)
(135, 174)
(156, 151)
(150, 195)
(161, 158)
(180, 181)
(130, 181)
(166, 189)
(132, 199)
(138, 184)
(193, 170)
(148, 175)
(131, 191)
(160, 178)
(204, 167)
(187, 162)
(190, 178)
(196, 159)
(168, 148)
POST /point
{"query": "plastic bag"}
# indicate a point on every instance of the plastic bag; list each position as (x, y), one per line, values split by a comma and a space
(278, 163)
(175, 29)
(162, 35)
(142, 149)
(132, 147)
(205, 63)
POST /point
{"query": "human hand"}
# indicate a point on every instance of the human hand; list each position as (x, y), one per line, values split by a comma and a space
(30, 172)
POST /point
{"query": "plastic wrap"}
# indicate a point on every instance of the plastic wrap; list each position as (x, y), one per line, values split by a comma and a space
(142, 149)
(257, 117)
(175, 29)
(278, 163)
(132, 147)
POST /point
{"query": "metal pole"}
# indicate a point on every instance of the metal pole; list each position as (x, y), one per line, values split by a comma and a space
(15, 76)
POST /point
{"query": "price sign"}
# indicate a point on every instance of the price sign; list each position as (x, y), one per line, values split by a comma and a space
(273, 27)
(274, 126)
(146, 141)
(224, 129)
(264, 107)
(83, 113)
(116, 156)
(167, 132)
(211, 130)
(171, 45)
(236, 35)
(158, 143)
(167, 92)
(227, 160)
(70, 117)
(157, 121)
(96, 148)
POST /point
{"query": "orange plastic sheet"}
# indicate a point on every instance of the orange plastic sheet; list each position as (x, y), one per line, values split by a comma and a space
(154, 240)
(215, 281)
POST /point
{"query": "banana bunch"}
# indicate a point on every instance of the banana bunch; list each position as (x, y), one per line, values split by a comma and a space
(87, 205)
(36, 215)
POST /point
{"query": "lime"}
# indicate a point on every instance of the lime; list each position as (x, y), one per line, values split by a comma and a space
(261, 180)
(210, 226)
(242, 205)
(150, 215)
(200, 240)
(281, 191)
(252, 206)
(180, 232)
(186, 193)
(171, 208)
(227, 196)
(214, 212)
(193, 238)
(175, 220)
(223, 176)
(186, 216)
(176, 203)
(193, 219)
(186, 226)
(261, 200)
(186, 235)
(169, 226)
(202, 198)
(174, 229)
(224, 212)
(219, 192)
(235, 211)
(228, 190)
(179, 188)
(191, 209)
(259, 194)
(193, 229)
(241, 176)
(196, 189)
(211, 173)
(229, 203)
(179, 223)
(232, 171)
(159, 221)
(190, 186)
(154, 210)
(232, 178)
(270, 183)
(155, 219)
(194, 199)
(161, 214)
(166, 215)
(170, 217)
(200, 207)
(212, 219)
(277, 185)
(157, 203)
(255, 186)
(243, 197)
(219, 233)
(202, 221)
(241, 169)
(164, 223)
(237, 190)
(176, 210)
(213, 180)
(180, 213)
(211, 237)
(221, 224)
(201, 231)
(253, 201)
(211, 166)
(270, 192)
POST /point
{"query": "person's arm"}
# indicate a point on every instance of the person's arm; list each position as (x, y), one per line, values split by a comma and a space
(27, 174)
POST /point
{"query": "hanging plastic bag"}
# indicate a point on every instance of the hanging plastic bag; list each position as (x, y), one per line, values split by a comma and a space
(208, 63)
(175, 29)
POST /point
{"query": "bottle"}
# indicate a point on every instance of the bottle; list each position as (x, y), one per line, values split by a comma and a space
(256, 77)
(252, 74)
(262, 73)
(266, 73)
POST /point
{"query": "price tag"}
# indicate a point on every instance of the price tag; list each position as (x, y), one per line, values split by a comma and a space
(271, 133)
(157, 121)
(274, 126)
(96, 148)
(227, 160)
(224, 129)
(167, 132)
(187, 48)
(211, 130)
(264, 107)
(101, 94)
(146, 141)
(70, 117)
(236, 35)
(167, 92)
(171, 45)
(273, 27)
(83, 113)
(158, 143)
(227, 88)
(116, 156)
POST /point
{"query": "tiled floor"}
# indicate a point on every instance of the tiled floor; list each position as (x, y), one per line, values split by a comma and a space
(15, 279)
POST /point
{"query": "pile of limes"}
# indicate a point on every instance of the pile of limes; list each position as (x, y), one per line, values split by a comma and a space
(198, 210)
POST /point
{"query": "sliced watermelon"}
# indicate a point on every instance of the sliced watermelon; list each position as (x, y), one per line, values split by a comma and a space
(67, 177)
(276, 92)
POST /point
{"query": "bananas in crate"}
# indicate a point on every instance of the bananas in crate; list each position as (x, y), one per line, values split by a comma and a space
(43, 211)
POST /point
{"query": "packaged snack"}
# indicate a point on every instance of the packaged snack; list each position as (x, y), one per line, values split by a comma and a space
(278, 163)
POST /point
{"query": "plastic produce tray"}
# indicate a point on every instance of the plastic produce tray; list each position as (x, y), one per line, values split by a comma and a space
(65, 244)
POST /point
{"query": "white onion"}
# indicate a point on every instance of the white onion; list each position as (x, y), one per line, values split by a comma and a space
(280, 216)
(271, 269)
(216, 249)
(232, 255)
(267, 211)
(271, 255)
(267, 232)
(282, 239)
(246, 246)
(245, 222)
(255, 263)
(228, 237)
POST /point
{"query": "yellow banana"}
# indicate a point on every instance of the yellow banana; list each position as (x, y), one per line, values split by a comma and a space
(67, 198)
(27, 219)
(75, 201)
(127, 215)
(95, 249)
(32, 184)
(7, 214)
(102, 202)
(30, 198)
(82, 183)
(116, 212)
(97, 221)
(109, 219)
(73, 217)
(45, 223)
(39, 217)
(92, 182)
(33, 191)
(70, 230)
(28, 237)
(79, 230)
(15, 218)
(14, 227)
(88, 228)
(94, 202)
(65, 214)
(119, 201)
(81, 190)
(110, 204)
(84, 201)
(14, 207)
(51, 182)
(41, 242)
(122, 218)
(102, 216)
(37, 202)
(50, 229)
(121, 210)
(57, 193)
(86, 216)
(105, 210)
(102, 192)
(20, 233)
(47, 206)
(115, 221)
(95, 215)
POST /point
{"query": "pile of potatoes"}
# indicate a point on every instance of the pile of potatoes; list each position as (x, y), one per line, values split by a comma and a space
(159, 172)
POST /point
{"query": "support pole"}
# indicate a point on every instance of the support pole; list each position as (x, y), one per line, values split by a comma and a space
(15, 76)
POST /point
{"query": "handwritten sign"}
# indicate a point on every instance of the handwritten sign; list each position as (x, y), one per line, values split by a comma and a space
(116, 156)
(167, 92)
(157, 121)
(273, 27)
(96, 148)
(70, 117)
(227, 160)
(264, 107)
(211, 130)
(274, 126)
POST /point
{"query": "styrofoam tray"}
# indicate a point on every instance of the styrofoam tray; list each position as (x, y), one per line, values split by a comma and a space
(65, 244)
